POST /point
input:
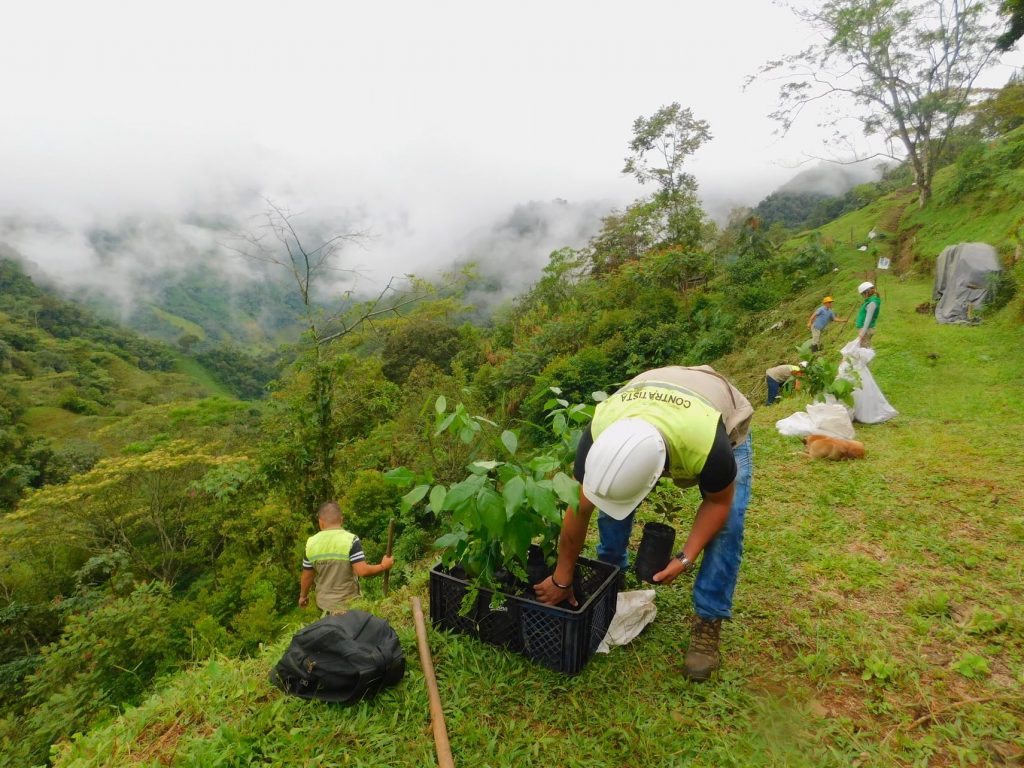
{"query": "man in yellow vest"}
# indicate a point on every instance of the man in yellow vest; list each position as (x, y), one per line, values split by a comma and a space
(334, 558)
(692, 425)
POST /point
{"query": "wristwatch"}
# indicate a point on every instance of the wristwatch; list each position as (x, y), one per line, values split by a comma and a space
(688, 564)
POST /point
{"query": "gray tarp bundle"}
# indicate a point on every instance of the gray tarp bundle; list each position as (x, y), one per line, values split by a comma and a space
(962, 275)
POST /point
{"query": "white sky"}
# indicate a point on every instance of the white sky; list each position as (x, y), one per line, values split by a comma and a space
(431, 117)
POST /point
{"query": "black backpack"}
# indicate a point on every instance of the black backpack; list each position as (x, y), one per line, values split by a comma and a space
(341, 658)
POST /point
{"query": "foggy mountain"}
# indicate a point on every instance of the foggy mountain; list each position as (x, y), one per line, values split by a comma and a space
(174, 275)
(832, 179)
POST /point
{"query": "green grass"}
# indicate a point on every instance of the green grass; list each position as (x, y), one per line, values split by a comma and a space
(193, 370)
(59, 424)
(176, 321)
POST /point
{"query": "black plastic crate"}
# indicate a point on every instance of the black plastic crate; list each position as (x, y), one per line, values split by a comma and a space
(562, 639)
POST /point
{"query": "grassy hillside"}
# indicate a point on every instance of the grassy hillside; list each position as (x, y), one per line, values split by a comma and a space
(877, 621)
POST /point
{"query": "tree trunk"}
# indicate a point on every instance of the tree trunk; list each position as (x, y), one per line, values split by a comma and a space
(924, 193)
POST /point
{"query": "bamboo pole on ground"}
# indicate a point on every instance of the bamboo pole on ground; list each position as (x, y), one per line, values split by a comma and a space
(391, 540)
(444, 750)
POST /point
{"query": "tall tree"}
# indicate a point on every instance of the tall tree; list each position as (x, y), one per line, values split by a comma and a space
(908, 66)
(660, 146)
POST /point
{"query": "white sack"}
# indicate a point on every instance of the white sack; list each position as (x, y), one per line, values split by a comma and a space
(633, 611)
(830, 419)
(869, 404)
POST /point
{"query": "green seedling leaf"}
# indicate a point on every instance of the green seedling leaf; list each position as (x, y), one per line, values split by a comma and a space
(437, 496)
(510, 441)
(413, 497)
(492, 511)
(567, 488)
(450, 539)
(599, 396)
(441, 404)
(460, 493)
(556, 390)
(445, 423)
(514, 493)
(543, 501)
(518, 533)
(558, 423)
(544, 464)
(487, 466)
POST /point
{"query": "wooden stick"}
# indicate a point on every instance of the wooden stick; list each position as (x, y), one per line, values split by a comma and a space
(387, 553)
(444, 750)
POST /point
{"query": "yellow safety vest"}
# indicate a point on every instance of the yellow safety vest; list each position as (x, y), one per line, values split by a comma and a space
(686, 420)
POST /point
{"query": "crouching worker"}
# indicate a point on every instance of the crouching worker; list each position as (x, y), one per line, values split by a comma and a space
(692, 425)
(776, 376)
(334, 558)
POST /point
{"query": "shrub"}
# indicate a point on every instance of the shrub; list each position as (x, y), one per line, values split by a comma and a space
(369, 503)
(105, 658)
(70, 400)
(419, 340)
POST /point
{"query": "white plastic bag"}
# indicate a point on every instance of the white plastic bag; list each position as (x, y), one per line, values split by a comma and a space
(869, 404)
(830, 419)
(633, 611)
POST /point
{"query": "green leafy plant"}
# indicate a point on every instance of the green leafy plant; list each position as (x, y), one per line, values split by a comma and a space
(821, 377)
(973, 666)
(504, 504)
(880, 667)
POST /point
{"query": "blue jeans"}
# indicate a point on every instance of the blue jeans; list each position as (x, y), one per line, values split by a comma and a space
(716, 580)
(773, 389)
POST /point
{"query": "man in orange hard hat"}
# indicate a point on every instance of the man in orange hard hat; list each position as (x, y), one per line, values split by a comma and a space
(819, 320)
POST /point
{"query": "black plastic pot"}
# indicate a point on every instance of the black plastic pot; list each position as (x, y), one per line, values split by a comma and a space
(536, 568)
(655, 550)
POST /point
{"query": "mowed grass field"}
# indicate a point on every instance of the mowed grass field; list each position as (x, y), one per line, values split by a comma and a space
(878, 619)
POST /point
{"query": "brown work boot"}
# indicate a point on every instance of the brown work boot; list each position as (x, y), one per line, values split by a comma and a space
(702, 657)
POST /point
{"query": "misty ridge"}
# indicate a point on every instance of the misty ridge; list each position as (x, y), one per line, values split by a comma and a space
(175, 274)
(185, 264)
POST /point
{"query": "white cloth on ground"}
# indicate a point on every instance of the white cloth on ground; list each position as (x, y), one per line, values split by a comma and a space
(869, 404)
(832, 419)
(633, 611)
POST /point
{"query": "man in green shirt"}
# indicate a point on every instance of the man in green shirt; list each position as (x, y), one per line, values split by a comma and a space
(867, 317)
(334, 558)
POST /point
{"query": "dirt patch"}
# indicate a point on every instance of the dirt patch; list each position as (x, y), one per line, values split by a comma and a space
(873, 551)
(159, 741)
(905, 254)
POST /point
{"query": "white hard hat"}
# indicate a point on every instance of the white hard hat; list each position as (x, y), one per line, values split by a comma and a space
(623, 466)
(803, 363)
(864, 286)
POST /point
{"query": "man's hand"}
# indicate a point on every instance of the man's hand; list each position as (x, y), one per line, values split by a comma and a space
(668, 575)
(386, 562)
(549, 594)
(303, 601)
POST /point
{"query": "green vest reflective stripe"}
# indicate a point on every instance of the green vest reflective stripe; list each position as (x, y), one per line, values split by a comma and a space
(332, 544)
(686, 420)
(877, 301)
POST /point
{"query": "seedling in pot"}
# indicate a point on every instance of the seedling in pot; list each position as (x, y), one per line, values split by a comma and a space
(505, 504)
